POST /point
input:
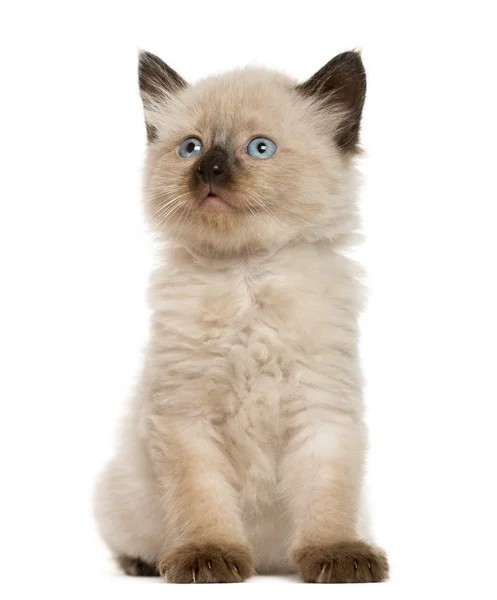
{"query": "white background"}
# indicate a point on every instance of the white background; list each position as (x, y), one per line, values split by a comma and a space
(75, 259)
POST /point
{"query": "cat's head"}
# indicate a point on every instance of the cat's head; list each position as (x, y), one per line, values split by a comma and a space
(250, 160)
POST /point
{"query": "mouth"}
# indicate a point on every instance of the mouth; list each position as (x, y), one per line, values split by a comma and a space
(214, 202)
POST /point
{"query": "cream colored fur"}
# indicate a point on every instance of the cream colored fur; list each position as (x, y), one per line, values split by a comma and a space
(247, 424)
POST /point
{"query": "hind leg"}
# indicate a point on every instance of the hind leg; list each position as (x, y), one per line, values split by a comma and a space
(137, 567)
(129, 517)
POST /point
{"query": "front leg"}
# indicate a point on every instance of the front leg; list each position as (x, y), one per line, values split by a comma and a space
(322, 476)
(206, 542)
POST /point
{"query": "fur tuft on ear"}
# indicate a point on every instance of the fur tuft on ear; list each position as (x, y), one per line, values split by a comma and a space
(341, 83)
(157, 81)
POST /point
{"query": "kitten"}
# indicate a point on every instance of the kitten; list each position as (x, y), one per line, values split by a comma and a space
(243, 450)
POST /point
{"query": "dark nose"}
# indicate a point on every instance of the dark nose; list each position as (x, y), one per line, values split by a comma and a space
(214, 167)
(209, 172)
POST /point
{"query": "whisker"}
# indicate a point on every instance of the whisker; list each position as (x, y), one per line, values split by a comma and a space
(162, 221)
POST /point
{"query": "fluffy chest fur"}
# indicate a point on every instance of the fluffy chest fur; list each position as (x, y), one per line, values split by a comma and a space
(233, 346)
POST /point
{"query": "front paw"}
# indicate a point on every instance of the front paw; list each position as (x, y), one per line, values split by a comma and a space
(343, 562)
(207, 564)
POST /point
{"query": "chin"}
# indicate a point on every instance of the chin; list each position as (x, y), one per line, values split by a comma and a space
(225, 232)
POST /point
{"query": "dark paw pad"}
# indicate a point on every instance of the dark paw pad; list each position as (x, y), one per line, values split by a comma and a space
(137, 567)
(207, 564)
(344, 562)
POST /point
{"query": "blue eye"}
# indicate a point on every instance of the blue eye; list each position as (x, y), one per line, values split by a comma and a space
(261, 147)
(190, 147)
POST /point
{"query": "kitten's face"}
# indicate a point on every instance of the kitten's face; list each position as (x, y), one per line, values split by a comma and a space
(246, 161)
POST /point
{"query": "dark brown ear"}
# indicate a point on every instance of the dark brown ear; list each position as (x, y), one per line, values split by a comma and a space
(341, 83)
(157, 83)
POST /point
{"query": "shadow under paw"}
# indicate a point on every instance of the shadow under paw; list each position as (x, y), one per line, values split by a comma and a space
(207, 564)
(344, 562)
